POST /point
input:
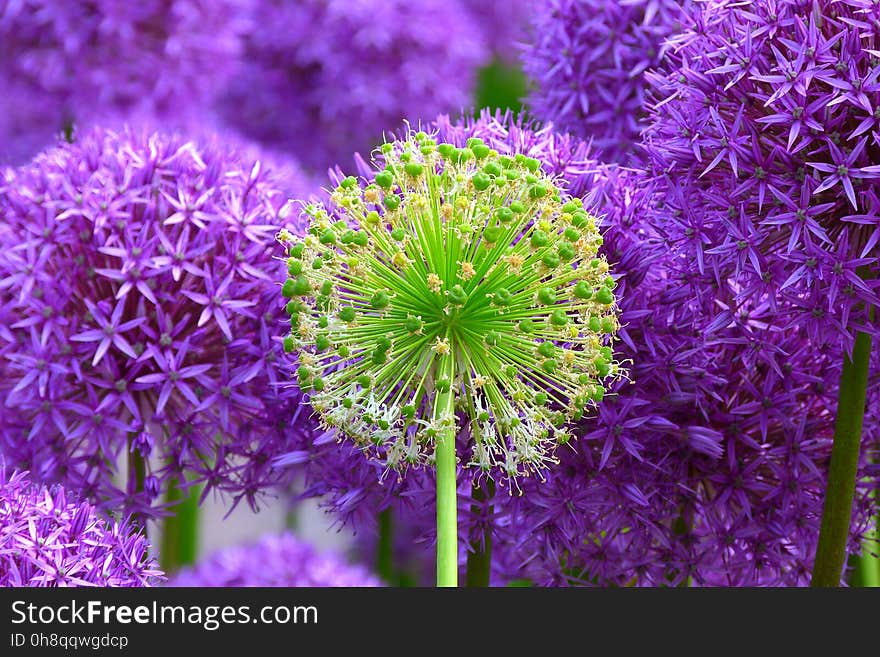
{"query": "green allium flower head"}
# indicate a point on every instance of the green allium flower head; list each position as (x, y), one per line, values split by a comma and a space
(456, 271)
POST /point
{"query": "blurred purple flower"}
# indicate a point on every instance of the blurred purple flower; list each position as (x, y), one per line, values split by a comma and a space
(587, 62)
(504, 23)
(82, 62)
(275, 561)
(324, 79)
(48, 538)
(137, 316)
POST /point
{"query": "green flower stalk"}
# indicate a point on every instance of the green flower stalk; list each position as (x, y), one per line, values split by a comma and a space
(458, 293)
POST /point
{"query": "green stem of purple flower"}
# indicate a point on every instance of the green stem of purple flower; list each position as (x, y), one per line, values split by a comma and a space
(479, 560)
(447, 502)
(385, 549)
(839, 493)
(180, 530)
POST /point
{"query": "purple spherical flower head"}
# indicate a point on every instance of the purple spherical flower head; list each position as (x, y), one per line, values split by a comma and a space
(765, 118)
(49, 538)
(325, 79)
(138, 319)
(275, 561)
(588, 61)
(79, 62)
(504, 23)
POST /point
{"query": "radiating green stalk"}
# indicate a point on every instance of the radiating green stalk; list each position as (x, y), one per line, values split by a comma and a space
(180, 530)
(385, 550)
(839, 493)
(447, 512)
(479, 559)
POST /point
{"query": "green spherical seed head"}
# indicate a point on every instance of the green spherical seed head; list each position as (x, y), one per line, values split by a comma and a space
(457, 296)
(492, 234)
(558, 317)
(294, 320)
(379, 300)
(302, 286)
(510, 371)
(443, 385)
(348, 402)
(379, 357)
(598, 394)
(383, 424)
(595, 324)
(414, 169)
(547, 349)
(492, 169)
(405, 156)
(328, 237)
(373, 218)
(463, 155)
(296, 251)
(318, 384)
(317, 263)
(602, 366)
(571, 206)
(326, 288)
(517, 207)
(539, 239)
(584, 379)
(549, 366)
(427, 149)
(408, 411)
(322, 302)
(385, 179)
(579, 219)
(610, 283)
(527, 326)
(481, 181)
(492, 338)
(481, 151)
(551, 260)
(571, 234)
(547, 296)
(413, 324)
(383, 343)
(541, 398)
(303, 373)
(323, 322)
(504, 215)
(398, 234)
(347, 314)
(607, 325)
(361, 239)
(502, 297)
(289, 344)
(349, 183)
(347, 237)
(607, 353)
(582, 290)
(392, 201)
(483, 416)
(322, 342)
(343, 351)
(566, 251)
(605, 296)
(537, 191)
(364, 381)
(531, 164)
(292, 307)
(294, 267)
(446, 150)
(287, 290)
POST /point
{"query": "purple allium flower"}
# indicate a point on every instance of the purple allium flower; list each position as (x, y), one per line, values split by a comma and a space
(324, 79)
(709, 467)
(87, 60)
(275, 561)
(49, 538)
(765, 119)
(138, 311)
(504, 23)
(588, 61)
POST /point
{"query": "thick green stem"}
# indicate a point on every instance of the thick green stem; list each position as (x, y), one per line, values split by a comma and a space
(385, 550)
(479, 561)
(180, 530)
(447, 512)
(866, 566)
(839, 493)
(137, 472)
